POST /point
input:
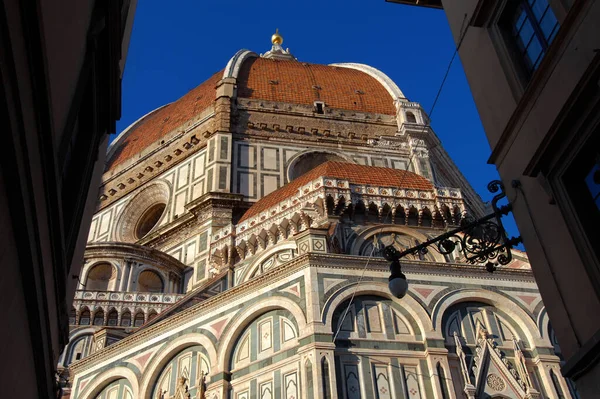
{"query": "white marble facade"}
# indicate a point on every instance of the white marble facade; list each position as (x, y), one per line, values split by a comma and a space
(182, 296)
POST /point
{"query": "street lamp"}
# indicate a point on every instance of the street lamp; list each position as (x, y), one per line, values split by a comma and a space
(397, 280)
(481, 241)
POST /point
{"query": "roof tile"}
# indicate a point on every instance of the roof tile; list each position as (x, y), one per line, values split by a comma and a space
(164, 120)
(355, 174)
(303, 83)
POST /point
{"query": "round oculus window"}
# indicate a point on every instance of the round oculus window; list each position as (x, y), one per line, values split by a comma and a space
(143, 212)
(307, 162)
(149, 220)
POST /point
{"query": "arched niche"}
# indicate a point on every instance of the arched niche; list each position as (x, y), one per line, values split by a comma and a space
(408, 304)
(504, 303)
(118, 389)
(101, 277)
(150, 281)
(130, 262)
(98, 319)
(85, 316)
(238, 324)
(102, 384)
(126, 319)
(78, 347)
(264, 337)
(159, 363)
(368, 316)
(463, 317)
(307, 160)
(273, 257)
(400, 237)
(190, 363)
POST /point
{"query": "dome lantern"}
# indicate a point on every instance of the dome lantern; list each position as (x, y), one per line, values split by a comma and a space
(277, 52)
(277, 39)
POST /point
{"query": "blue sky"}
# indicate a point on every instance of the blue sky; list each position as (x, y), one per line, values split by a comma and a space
(176, 45)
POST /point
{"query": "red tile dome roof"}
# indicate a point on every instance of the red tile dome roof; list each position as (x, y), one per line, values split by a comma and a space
(302, 83)
(355, 174)
(263, 79)
(165, 119)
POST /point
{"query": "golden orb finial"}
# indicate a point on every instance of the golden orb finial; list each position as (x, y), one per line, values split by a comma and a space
(277, 38)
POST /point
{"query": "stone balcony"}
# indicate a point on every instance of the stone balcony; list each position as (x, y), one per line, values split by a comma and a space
(122, 309)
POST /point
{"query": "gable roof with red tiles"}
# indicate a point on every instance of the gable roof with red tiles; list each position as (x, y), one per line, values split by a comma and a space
(303, 83)
(355, 174)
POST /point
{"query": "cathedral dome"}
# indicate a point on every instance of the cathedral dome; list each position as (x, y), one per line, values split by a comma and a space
(156, 124)
(278, 77)
(303, 83)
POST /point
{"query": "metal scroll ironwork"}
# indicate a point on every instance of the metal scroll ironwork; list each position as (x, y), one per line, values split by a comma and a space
(480, 241)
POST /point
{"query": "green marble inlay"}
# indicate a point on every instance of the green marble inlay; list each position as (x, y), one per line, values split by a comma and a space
(426, 379)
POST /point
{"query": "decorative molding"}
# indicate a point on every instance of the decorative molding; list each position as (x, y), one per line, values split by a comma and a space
(413, 269)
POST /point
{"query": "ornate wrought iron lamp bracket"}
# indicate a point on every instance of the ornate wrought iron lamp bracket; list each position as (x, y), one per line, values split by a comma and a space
(480, 241)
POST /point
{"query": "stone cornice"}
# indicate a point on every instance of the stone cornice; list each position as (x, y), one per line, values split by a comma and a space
(175, 147)
(249, 288)
(301, 110)
(133, 252)
(323, 187)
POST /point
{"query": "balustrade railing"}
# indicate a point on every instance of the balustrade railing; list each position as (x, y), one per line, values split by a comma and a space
(104, 296)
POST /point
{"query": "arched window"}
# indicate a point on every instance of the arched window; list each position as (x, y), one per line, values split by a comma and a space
(556, 384)
(113, 318)
(139, 319)
(411, 118)
(359, 213)
(149, 281)
(426, 218)
(386, 214)
(442, 379)
(99, 318)
(373, 214)
(400, 215)
(438, 220)
(413, 216)
(100, 276)
(126, 319)
(309, 379)
(152, 315)
(84, 318)
(326, 382)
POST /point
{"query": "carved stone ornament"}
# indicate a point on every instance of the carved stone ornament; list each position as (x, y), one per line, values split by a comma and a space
(153, 194)
(181, 392)
(495, 382)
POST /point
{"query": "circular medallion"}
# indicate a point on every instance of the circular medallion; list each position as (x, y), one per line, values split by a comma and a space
(495, 382)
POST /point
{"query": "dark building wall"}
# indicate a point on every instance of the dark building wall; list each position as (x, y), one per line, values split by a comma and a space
(539, 124)
(60, 71)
